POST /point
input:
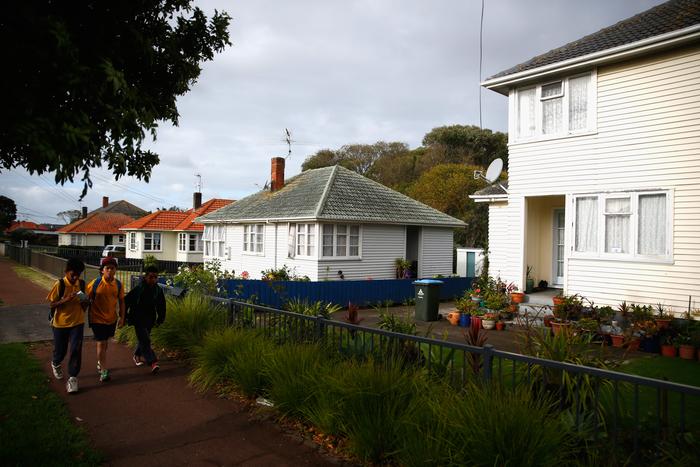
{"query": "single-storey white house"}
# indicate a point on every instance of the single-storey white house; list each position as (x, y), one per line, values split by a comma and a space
(101, 226)
(603, 192)
(170, 235)
(329, 223)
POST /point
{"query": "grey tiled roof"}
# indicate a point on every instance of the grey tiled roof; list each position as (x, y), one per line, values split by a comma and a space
(333, 194)
(123, 207)
(494, 189)
(664, 18)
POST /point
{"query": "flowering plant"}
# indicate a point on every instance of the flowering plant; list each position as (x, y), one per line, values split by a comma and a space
(491, 316)
(475, 292)
(245, 275)
(511, 287)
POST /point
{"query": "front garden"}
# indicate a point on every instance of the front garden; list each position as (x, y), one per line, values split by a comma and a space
(390, 398)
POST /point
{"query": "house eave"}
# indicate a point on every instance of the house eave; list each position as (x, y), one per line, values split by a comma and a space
(490, 199)
(645, 46)
(317, 219)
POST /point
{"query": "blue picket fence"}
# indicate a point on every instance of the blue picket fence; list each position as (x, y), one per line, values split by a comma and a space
(360, 292)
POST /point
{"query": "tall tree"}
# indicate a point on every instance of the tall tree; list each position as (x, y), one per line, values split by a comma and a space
(89, 79)
(8, 212)
(358, 157)
(466, 144)
(447, 187)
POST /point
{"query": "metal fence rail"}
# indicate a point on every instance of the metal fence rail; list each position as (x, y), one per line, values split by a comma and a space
(628, 410)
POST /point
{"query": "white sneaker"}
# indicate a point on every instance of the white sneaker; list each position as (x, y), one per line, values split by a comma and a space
(99, 367)
(57, 371)
(72, 385)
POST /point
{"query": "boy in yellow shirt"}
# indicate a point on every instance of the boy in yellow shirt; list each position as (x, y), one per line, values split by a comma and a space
(68, 302)
(106, 294)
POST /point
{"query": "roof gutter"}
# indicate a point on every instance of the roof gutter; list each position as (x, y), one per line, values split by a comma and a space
(644, 46)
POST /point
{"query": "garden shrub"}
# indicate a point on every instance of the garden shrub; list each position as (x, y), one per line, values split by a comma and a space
(187, 320)
(292, 372)
(126, 335)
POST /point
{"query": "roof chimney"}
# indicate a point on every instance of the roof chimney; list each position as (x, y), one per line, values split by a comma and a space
(196, 200)
(105, 201)
(277, 174)
(84, 212)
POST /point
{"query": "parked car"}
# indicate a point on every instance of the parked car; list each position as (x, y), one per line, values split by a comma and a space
(115, 251)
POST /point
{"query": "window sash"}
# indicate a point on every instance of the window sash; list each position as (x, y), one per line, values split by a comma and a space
(253, 238)
(340, 241)
(132, 240)
(151, 241)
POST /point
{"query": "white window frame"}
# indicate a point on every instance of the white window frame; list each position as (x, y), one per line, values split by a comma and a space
(633, 256)
(133, 244)
(347, 235)
(153, 241)
(254, 239)
(213, 241)
(120, 239)
(184, 240)
(302, 231)
(591, 116)
(77, 239)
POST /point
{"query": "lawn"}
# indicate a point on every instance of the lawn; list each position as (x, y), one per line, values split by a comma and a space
(35, 424)
(39, 278)
(673, 369)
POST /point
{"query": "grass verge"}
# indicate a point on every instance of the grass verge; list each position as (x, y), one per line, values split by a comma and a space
(35, 424)
(39, 278)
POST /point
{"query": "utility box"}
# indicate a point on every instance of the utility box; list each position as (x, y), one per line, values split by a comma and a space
(427, 299)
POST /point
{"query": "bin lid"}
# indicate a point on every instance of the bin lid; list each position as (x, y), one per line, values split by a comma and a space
(428, 282)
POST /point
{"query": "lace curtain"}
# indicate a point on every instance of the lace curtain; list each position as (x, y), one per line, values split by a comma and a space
(652, 225)
(526, 113)
(578, 103)
(617, 225)
(586, 224)
(551, 108)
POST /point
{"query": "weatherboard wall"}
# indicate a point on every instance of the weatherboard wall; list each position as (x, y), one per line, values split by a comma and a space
(647, 137)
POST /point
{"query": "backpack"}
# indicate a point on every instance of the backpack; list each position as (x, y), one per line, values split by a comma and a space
(97, 283)
(61, 291)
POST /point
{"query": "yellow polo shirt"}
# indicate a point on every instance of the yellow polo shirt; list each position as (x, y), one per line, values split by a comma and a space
(103, 310)
(70, 313)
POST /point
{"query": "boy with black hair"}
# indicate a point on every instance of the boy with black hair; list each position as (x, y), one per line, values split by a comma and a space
(146, 309)
(68, 302)
(106, 296)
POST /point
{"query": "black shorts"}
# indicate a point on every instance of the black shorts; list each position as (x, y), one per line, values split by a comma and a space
(103, 332)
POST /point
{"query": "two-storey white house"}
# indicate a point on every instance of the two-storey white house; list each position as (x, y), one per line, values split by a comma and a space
(603, 193)
(329, 223)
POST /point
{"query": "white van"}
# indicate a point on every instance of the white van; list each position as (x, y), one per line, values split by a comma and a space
(115, 251)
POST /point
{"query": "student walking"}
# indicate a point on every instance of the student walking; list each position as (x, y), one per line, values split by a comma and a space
(107, 309)
(146, 309)
(68, 302)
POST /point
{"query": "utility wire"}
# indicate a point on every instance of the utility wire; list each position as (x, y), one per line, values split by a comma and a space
(481, 39)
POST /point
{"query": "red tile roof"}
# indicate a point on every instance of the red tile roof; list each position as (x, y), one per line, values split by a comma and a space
(177, 221)
(98, 223)
(26, 225)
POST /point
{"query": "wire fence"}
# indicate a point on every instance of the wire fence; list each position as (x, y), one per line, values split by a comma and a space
(627, 411)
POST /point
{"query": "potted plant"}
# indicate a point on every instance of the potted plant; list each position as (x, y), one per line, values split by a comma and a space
(668, 346)
(663, 317)
(515, 295)
(353, 315)
(686, 349)
(475, 294)
(489, 321)
(529, 281)
(558, 299)
(500, 325)
(648, 331)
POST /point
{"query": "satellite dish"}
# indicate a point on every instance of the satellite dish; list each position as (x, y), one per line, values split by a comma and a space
(494, 170)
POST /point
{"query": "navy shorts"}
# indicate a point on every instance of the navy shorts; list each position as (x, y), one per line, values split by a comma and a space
(103, 332)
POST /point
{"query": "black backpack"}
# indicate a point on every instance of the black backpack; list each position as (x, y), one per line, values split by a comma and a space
(61, 291)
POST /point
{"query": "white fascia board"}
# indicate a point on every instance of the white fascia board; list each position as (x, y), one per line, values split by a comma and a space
(645, 46)
(489, 199)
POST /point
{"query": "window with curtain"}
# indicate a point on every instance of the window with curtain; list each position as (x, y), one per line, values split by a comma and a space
(552, 97)
(306, 240)
(151, 241)
(182, 242)
(526, 113)
(651, 235)
(633, 225)
(212, 240)
(555, 109)
(132, 240)
(341, 240)
(291, 241)
(617, 225)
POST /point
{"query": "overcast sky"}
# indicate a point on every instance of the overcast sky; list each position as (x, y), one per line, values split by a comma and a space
(334, 72)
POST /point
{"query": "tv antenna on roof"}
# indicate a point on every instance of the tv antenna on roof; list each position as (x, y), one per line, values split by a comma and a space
(492, 173)
(289, 141)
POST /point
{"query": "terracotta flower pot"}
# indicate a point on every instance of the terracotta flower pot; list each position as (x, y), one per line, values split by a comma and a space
(517, 297)
(668, 350)
(548, 321)
(663, 323)
(617, 340)
(500, 326)
(686, 352)
(513, 308)
(476, 322)
(488, 323)
(453, 318)
(558, 300)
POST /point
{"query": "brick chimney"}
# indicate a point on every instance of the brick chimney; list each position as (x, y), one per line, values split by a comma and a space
(84, 212)
(196, 200)
(277, 176)
(105, 201)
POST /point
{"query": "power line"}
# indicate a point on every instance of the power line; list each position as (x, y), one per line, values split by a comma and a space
(64, 196)
(132, 190)
(481, 39)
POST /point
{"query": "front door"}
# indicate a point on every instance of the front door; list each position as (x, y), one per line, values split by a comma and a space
(558, 248)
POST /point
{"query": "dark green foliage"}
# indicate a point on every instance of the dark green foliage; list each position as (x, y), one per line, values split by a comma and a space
(90, 79)
(35, 427)
(187, 321)
(8, 212)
